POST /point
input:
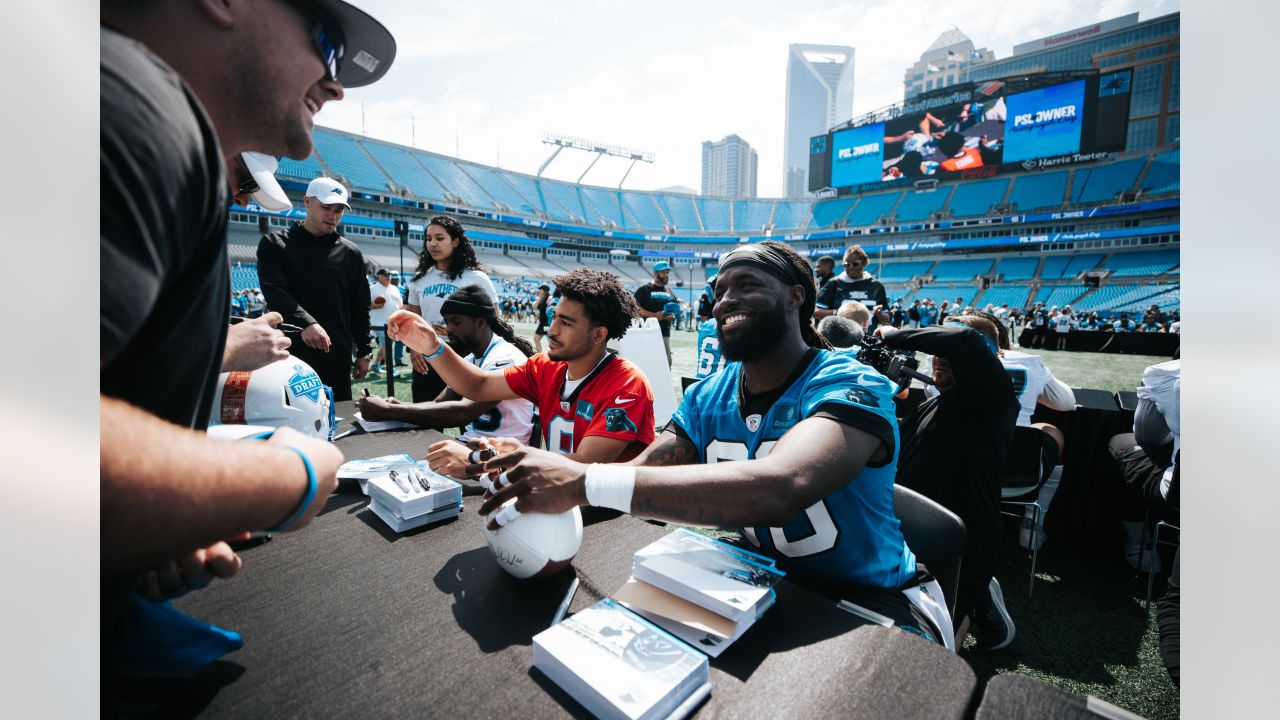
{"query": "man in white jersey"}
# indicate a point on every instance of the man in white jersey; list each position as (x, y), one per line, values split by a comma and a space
(1063, 322)
(384, 299)
(1148, 456)
(472, 322)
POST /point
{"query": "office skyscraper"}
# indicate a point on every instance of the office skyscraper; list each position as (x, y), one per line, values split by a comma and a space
(728, 168)
(819, 96)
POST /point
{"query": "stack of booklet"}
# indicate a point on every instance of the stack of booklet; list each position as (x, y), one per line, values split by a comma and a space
(619, 665)
(362, 470)
(704, 591)
(414, 496)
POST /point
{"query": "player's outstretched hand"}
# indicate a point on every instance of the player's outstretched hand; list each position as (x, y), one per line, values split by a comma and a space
(325, 459)
(194, 571)
(413, 330)
(543, 482)
(375, 408)
(254, 344)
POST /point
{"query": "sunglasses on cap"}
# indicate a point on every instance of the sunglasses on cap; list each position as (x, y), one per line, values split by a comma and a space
(327, 37)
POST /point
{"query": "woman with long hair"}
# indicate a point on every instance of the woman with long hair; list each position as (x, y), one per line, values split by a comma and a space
(447, 262)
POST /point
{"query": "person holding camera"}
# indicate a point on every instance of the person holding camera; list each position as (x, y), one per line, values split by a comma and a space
(954, 450)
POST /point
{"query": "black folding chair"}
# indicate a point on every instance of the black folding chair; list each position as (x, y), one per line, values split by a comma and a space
(1024, 476)
(936, 536)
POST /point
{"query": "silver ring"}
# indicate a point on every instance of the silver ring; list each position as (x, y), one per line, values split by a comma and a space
(506, 515)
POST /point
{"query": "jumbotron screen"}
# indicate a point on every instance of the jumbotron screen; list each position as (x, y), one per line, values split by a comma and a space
(980, 128)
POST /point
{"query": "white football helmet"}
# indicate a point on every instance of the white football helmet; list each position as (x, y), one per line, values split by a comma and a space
(286, 393)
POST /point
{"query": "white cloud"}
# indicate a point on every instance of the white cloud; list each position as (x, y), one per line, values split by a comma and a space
(485, 80)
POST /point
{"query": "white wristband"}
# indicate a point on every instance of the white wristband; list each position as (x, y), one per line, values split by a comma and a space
(610, 486)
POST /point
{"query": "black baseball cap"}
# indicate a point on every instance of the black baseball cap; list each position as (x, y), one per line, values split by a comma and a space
(369, 46)
(382, 271)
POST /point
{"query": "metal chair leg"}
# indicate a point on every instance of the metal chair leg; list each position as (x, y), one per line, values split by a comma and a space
(1151, 567)
(1035, 547)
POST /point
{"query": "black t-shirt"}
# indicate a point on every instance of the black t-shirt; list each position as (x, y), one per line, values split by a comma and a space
(841, 289)
(164, 273)
(955, 445)
(317, 279)
(540, 309)
(654, 298)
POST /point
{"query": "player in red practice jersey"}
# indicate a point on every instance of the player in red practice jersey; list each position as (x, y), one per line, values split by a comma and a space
(595, 405)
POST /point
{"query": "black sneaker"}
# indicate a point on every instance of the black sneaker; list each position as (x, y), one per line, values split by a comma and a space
(993, 628)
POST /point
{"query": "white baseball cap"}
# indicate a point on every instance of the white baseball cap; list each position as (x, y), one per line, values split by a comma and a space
(262, 168)
(328, 192)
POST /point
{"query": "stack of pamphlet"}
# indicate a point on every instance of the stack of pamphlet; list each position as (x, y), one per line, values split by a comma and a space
(373, 426)
(619, 665)
(362, 470)
(704, 591)
(412, 497)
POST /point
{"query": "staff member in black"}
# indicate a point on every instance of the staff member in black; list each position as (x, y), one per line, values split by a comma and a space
(652, 299)
(315, 278)
(954, 450)
(852, 284)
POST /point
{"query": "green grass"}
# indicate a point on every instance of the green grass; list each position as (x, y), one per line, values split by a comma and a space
(1085, 629)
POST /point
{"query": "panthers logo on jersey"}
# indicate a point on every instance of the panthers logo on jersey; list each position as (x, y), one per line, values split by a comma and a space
(616, 420)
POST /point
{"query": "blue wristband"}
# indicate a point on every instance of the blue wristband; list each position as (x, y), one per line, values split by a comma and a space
(439, 350)
(306, 498)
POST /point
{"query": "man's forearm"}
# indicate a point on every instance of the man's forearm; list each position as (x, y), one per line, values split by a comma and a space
(450, 413)
(725, 494)
(464, 378)
(166, 490)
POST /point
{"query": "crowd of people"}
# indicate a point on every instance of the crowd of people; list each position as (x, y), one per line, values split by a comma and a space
(570, 426)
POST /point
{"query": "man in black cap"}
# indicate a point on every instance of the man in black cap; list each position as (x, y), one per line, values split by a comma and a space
(655, 300)
(314, 277)
(187, 89)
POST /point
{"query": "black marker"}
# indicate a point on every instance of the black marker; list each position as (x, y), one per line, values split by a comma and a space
(253, 541)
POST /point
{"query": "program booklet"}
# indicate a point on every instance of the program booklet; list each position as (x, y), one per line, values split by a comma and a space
(706, 631)
(404, 494)
(619, 665)
(400, 524)
(730, 581)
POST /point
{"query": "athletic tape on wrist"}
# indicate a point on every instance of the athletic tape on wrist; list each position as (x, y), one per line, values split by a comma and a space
(307, 497)
(506, 515)
(610, 486)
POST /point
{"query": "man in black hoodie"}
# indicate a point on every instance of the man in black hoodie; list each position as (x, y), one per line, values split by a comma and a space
(954, 450)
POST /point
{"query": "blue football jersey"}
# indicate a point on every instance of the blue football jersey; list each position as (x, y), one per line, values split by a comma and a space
(709, 358)
(851, 534)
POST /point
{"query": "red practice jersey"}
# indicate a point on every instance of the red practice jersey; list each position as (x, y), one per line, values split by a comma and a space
(614, 401)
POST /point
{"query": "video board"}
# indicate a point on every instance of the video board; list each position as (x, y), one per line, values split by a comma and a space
(980, 128)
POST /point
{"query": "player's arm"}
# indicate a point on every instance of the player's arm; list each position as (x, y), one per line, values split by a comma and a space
(828, 301)
(275, 285)
(466, 379)
(767, 491)
(642, 296)
(599, 449)
(167, 491)
(454, 412)
(1057, 395)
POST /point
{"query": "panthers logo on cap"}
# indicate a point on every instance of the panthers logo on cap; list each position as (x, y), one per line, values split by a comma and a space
(616, 420)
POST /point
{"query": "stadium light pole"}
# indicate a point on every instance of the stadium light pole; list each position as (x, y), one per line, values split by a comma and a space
(600, 149)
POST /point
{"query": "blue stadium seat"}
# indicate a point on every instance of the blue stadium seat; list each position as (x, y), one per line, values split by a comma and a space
(1164, 175)
(528, 188)
(871, 208)
(902, 271)
(1018, 268)
(304, 170)
(790, 215)
(1121, 298)
(977, 198)
(827, 212)
(244, 276)
(714, 214)
(918, 206)
(495, 186)
(1068, 266)
(960, 270)
(607, 206)
(644, 208)
(938, 293)
(347, 157)
(1015, 296)
(750, 216)
(1102, 183)
(1032, 192)
(1059, 295)
(1138, 264)
(680, 209)
(406, 171)
(570, 203)
(452, 177)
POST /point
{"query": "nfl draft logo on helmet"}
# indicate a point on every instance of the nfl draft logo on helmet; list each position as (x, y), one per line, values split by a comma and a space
(286, 393)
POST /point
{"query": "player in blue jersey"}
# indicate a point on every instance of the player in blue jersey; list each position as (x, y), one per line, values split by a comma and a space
(709, 359)
(740, 452)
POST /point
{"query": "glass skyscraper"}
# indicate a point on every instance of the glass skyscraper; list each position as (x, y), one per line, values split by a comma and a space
(819, 97)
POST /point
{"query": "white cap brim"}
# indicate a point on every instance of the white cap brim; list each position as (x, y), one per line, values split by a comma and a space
(263, 170)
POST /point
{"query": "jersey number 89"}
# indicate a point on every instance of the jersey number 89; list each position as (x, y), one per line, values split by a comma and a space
(824, 533)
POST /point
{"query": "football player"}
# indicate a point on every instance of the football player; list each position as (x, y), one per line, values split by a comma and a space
(595, 405)
(739, 452)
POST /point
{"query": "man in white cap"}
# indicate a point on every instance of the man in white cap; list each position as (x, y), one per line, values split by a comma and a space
(654, 300)
(187, 90)
(315, 279)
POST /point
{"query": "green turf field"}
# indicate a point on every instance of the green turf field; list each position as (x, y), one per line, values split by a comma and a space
(1085, 630)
